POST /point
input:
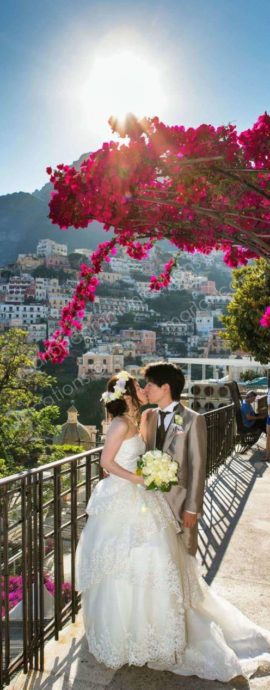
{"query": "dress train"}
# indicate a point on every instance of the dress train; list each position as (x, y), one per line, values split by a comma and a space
(143, 599)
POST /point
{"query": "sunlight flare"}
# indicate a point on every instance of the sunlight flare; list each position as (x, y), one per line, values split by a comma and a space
(122, 82)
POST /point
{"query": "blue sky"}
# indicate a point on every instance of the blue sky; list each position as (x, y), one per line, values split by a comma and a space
(198, 61)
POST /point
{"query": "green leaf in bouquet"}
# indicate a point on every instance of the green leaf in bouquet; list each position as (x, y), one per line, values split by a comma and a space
(152, 487)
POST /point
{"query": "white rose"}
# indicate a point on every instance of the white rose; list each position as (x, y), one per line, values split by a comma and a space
(147, 471)
(166, 456)
(148, 457)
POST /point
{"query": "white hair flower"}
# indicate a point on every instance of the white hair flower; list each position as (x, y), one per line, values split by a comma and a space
(123, 375)
(107, 397)
(119, 388)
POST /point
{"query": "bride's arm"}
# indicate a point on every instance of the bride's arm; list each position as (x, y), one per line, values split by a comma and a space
(114, 439)
(143, 424)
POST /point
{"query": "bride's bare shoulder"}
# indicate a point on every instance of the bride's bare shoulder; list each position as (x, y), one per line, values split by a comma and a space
(119, 426)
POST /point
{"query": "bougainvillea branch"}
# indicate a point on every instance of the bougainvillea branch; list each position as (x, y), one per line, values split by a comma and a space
(200, 188)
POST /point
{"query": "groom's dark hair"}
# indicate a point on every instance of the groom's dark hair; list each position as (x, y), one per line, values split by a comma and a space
(164, 372)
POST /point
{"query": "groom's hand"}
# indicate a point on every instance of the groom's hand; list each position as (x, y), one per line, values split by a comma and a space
(189, 519)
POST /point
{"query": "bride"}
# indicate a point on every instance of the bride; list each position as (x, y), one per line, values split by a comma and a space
(143, 599)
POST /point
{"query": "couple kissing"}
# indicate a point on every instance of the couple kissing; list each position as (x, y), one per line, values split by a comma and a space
(171, 428)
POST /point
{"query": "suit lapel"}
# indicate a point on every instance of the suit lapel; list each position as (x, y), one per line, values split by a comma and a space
(169, 436)
(152, 436)
(171, 428)
(153, 423)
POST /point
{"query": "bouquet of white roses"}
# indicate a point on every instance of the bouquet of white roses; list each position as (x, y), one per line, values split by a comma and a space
(158, 470)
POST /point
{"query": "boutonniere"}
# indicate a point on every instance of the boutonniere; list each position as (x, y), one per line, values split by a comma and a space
(178, 419)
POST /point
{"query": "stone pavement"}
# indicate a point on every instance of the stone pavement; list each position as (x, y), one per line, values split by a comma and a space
(234, 551)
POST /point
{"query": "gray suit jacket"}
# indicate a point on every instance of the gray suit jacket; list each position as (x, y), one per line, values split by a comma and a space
(187, 444)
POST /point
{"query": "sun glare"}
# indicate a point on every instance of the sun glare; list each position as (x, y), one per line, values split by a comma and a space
(122, 82)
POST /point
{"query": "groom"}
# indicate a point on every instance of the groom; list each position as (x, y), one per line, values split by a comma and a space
(182, 433)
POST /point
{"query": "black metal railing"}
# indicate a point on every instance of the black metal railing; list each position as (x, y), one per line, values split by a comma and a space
(221, 436)
(41, 516)
(42, 512)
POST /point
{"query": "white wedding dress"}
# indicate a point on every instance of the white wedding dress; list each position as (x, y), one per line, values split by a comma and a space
(143, 599)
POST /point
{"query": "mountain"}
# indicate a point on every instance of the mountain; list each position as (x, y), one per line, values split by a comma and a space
(24, 221)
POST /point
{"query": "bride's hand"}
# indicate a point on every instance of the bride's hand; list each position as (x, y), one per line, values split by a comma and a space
(138, 479)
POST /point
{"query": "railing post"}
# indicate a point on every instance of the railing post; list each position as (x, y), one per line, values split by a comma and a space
(74, 537)
(88, 475)
(24, 572)
(6, 655)
(35, 584)
(29, 566)
(41, 571)
(57, 552)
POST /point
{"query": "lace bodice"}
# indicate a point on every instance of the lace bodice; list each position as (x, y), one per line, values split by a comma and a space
(129, 452)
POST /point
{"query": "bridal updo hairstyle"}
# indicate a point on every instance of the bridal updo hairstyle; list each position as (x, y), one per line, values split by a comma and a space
(117, 408)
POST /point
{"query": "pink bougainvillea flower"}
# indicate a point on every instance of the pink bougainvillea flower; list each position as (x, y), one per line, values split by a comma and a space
(201, 188)
(265, 320)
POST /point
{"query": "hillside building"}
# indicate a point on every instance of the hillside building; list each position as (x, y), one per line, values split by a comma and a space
(46, 248)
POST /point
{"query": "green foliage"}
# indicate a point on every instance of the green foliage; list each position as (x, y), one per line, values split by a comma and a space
(24, 430)
(48, 272)
(222, 276)
(114, 291)
(137, 321)
(5, 273)
(178, 347)
(217, 321)
(242, 320)
(68, 386)
(58, 452)
(173, 303)
(75, 260)
(20, 382)
(24, 435)
(54, 453)
(7, 468)
(87, 401)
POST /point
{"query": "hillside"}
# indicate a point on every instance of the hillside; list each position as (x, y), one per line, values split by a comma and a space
(24, 221)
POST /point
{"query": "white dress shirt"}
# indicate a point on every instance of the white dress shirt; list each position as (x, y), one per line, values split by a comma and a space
(167, 420)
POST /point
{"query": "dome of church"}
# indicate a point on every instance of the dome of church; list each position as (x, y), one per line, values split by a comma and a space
(73, 433)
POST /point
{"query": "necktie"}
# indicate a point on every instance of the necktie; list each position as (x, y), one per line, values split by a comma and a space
(161, 431)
